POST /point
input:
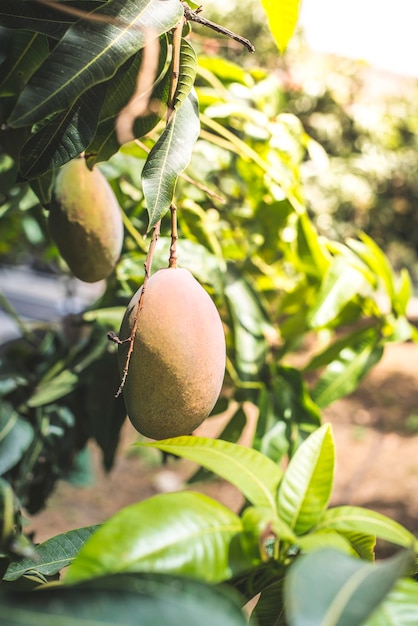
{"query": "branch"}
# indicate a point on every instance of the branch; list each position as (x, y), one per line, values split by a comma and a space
(194, 16)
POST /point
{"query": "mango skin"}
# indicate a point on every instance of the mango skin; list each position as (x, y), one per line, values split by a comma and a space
(177, 366)
(85, 221)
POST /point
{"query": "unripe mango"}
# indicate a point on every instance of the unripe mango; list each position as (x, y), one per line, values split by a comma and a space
(85, 221)
(177, 365)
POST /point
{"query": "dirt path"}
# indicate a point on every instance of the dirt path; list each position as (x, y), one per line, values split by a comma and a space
(376, 433)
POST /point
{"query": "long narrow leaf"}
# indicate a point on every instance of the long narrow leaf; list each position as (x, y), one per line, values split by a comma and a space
(374, 257)
(255, 475)
(184, 533)
(14, 444)
(168, 158)
(307, 483)
(34, 17)
(124, 600)
(53, 555)
(250, 326)
(63, 137)
(329, 588)
(357, 519)
(187, 73)
(400, 606)
(344, 373)
(73, 67)
(269, 610)
(341, 284)
(28, 51)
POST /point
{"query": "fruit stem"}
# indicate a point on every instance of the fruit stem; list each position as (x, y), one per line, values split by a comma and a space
(172, 261)
(140, 306)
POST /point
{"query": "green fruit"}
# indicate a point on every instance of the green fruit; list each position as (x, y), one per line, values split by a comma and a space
(85, 221)
(177, 365)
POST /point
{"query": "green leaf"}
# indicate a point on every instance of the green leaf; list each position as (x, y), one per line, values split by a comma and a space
(316, 540)
(14, 444)
(269, 610)
(272, 434)
(329, 588)
(28, 51)
(53, 389)
(399, 608)
(38, 18)
(282, 16)
(370, 253)
(250, 326)
(256, 476)
(53, 555)
(119, 91)
(312, 257)
(225, 70)
(348, 519)
(333, 351)
(306, 487)
(231, 432)
(183, 533)
(342, 283)
(169, 157)
(111, 42)
(286, 405)
(109, 316)
(124, 600)
(7, 516)
(42, 187)
(187, 73)
(363, 544)
(358, 353)
(105, 413)
(63, 137)
(403, 293)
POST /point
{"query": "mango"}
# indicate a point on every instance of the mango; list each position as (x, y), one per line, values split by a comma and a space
(177, 366)
(85, 221)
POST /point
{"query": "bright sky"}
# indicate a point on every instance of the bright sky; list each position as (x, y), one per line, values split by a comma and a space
(382, 32)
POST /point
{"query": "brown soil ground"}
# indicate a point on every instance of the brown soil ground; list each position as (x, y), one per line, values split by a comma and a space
(376, 434)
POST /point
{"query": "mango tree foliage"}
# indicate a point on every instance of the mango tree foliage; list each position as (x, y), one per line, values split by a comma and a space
(218, 143)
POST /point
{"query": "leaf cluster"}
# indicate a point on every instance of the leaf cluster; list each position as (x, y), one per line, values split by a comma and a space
(309, 563)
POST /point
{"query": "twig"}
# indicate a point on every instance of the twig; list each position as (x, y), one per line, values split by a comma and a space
(131, 339)
(194, 16)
